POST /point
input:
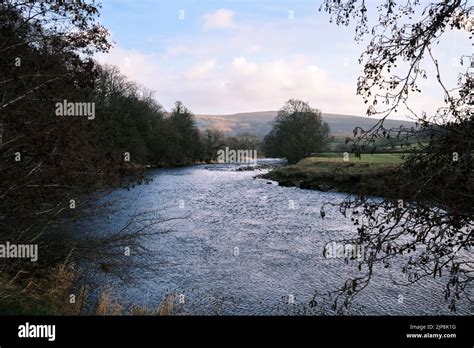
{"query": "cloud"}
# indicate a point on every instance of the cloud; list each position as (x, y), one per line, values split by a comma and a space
(236, 84)
(176, 50)
(256, 67)
(220, 19)
(201, 70)
(243, 66)
(240, 84)
(138, 67)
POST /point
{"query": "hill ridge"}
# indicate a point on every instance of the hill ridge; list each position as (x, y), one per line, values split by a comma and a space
(259, 122)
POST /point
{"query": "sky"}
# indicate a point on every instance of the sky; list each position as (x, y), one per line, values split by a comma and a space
(225, 57)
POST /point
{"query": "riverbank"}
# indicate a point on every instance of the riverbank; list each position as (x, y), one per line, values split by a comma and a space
(370, 175)
(234, 225)
(55, 294)
(185, 164)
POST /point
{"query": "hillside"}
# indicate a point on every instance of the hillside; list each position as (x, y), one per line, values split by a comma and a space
(259, 123)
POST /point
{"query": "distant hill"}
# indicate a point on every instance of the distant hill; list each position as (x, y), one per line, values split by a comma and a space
(259, 123)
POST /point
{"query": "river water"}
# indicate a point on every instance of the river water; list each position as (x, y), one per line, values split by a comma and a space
(246, 246)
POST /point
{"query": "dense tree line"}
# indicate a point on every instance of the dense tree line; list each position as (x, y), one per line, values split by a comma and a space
(130, 120)
(47, 160)
(213, 140)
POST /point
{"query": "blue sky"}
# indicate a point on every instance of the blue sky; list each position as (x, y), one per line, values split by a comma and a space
(222, 57)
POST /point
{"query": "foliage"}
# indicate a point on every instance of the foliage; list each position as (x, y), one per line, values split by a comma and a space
(297, 132)
(435, 223)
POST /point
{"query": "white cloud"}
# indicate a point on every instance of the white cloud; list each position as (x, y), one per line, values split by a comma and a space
(220, 19)
(243, 66)
(237, 84)
(201, 70)
(138, 67)
(176, 50)
(255, 67)
(268, 84)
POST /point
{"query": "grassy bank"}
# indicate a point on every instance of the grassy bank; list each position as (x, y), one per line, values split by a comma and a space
(52, 296)
(370, 175)
(34, 295)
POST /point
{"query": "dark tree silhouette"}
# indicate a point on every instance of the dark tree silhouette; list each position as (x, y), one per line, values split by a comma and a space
(182, 136)
(297, 132)
(50, 164)
(430, 226)
(46, 160)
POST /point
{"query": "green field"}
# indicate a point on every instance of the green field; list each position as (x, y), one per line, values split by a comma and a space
(383, 158)
(370, 174)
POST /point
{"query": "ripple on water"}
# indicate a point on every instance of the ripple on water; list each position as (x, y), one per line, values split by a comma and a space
(244, 246)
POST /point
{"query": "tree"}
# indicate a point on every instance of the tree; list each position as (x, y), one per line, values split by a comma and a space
(211, 141)
(183, 136)
(51, 165)
(297, 132)
(130, 118)
(432, 220)
(45, 50)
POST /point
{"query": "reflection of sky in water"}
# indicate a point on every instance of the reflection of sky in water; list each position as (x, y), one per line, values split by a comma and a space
(242, 250)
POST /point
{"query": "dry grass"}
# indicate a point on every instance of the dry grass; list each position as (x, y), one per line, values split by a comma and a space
(53, 293)
(166, 307)
(107, 305)
(47, 293)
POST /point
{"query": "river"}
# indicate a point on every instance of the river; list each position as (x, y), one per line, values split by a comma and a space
(246, 246)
